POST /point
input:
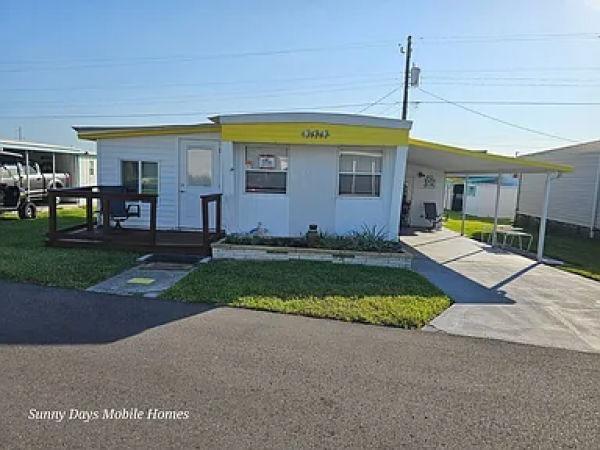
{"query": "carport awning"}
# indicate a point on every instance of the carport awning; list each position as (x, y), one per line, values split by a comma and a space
(460, 161)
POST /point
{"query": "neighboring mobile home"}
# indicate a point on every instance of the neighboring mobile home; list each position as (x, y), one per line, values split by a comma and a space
(575, 196)
(286, 171)
(481, 195)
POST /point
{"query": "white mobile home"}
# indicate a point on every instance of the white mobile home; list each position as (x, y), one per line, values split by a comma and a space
(286, 171)
(574, 198)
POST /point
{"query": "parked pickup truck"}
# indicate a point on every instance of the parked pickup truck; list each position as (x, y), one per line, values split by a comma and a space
(15, 174)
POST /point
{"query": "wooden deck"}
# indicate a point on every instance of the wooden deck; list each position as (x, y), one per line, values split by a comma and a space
(183, 242)
(150, 240)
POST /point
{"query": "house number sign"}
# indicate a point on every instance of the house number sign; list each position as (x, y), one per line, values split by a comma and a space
(315, 134)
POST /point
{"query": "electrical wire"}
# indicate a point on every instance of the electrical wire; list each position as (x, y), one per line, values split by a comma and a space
(496, 119)
(379, 100)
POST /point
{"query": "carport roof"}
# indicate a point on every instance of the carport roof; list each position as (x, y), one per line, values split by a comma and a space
(461, 161)
(41, 147)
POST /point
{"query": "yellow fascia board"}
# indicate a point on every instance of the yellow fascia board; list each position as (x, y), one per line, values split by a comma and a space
(480, 154)
(292, 133)
(140, 132)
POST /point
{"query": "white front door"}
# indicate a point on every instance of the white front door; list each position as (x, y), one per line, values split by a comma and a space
(198, 175)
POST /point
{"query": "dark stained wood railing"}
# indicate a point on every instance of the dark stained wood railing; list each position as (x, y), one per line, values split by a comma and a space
(104, 196)
(207, 236)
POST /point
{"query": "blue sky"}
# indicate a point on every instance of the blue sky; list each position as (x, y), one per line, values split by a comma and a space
(114, 62)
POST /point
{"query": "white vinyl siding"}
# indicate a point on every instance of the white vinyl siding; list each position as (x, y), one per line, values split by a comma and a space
(571, 195)
(161, 149)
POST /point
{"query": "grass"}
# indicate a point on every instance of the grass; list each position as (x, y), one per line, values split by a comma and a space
(375, 295)
(581, 255)
(24, 256)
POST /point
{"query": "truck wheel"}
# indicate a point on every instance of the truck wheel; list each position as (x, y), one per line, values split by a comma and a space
(28, 211)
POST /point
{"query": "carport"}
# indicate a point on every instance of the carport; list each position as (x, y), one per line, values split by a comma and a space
(430, 161)
(53, 159)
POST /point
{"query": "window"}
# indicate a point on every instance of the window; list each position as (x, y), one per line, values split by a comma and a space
(266, 169)
(471, 190)
(360, 173)
(92, 167)
(147, 183)
(199, 167)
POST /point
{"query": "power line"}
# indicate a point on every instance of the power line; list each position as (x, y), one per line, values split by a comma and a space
(324, 88)
(368, 76)
(506, 102)
(495, 119)
(379, 100)
(134, 61)
(474, 39)
(177, 114)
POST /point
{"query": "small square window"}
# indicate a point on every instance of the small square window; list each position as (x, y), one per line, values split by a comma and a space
(266, 169)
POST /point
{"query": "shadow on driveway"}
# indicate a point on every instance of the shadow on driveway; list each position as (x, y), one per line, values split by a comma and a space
(36, 315)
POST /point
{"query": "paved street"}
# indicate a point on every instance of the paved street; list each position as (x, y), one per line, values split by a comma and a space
(260, 380)
(502, 295)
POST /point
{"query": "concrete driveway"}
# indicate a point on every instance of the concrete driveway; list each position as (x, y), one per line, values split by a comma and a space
(505, 296)
(259, 380)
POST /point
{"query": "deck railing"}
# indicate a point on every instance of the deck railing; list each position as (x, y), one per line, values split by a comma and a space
(206, 200)
(105, 195)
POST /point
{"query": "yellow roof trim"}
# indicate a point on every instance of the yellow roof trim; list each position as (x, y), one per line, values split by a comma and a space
(481, 154)
(324, 134)
(110, 133)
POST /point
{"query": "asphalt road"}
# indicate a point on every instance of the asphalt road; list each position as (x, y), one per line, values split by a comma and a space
(260, 380)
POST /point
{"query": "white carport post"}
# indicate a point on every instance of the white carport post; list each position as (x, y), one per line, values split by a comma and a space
(464, 205)
(495, 230)
(543, 219)
(53, 169)
(27, 171)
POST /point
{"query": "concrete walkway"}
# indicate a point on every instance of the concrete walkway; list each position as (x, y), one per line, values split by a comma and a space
(148, 279)
(502, 295)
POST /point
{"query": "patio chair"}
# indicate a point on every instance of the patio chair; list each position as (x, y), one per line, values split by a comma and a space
(119, 210)
(431, 214)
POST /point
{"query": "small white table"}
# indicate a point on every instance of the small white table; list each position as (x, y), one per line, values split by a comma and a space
(509, 234)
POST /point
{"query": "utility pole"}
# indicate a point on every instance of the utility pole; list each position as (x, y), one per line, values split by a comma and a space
(406, 76)
(20, 133)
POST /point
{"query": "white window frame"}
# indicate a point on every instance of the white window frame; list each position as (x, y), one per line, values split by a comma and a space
(246, 170)
(372, 153)
(139, 163)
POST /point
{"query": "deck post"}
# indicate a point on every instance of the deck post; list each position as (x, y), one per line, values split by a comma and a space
(105, 215)
(543, 219)
(218, 218)
(153, 220)
(496, 206)
(88, 211)
(52, 220)
(464, 205)
(205, 223)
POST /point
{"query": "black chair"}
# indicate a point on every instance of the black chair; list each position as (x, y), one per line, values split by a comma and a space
(431, 214)
(119, 211)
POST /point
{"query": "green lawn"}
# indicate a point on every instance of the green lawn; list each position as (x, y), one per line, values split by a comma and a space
(24, 257)
(581, 255)
(377, 295)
